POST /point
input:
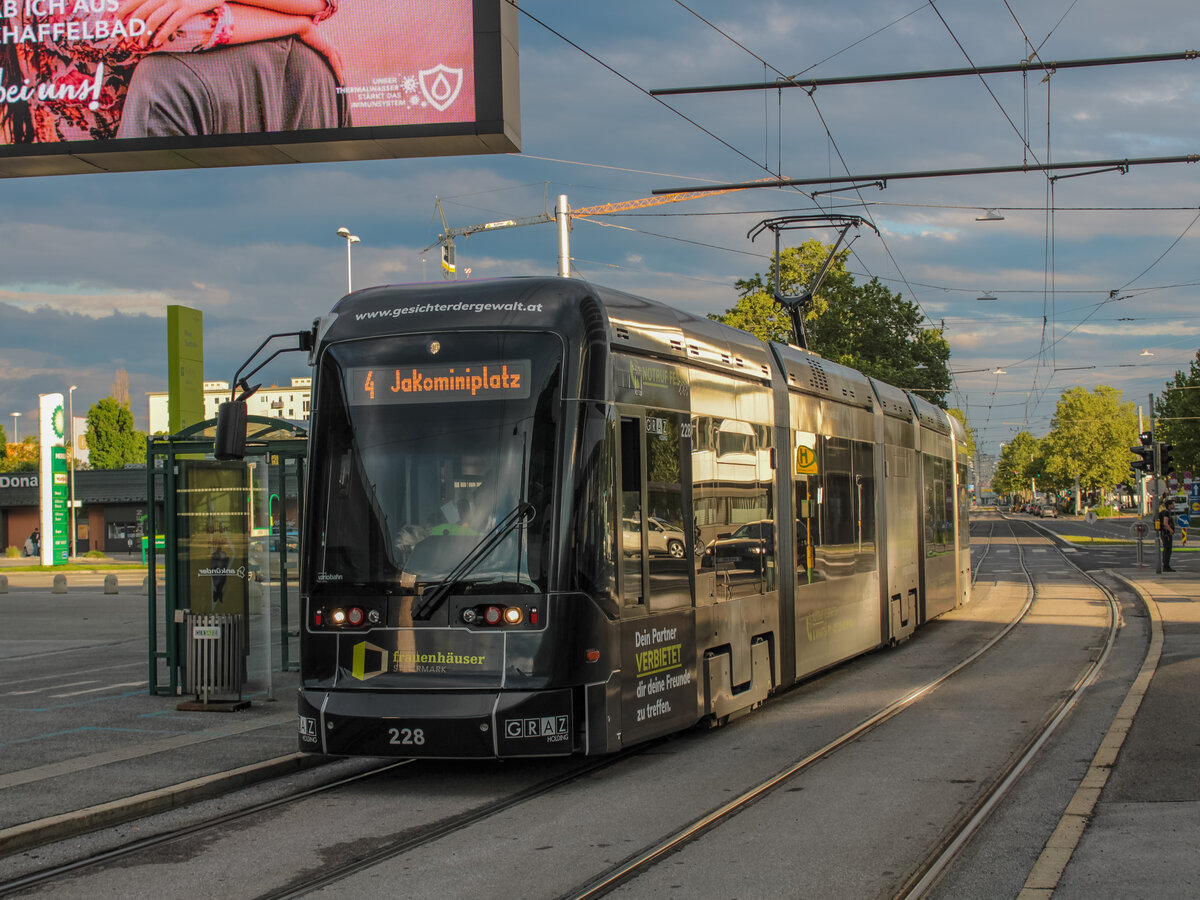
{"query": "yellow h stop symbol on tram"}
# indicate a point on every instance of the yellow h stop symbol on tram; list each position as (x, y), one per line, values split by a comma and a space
(806, 461)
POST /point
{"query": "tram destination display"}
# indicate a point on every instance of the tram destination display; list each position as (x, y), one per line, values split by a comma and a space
(120, 85)
(495, 380)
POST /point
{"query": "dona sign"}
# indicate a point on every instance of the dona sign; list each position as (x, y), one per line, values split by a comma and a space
(119, 85)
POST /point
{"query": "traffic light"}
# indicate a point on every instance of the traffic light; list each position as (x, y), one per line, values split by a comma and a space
(1144, 464)
(1166, 465)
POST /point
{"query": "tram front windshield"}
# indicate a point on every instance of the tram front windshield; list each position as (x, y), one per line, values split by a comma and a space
(433, 457)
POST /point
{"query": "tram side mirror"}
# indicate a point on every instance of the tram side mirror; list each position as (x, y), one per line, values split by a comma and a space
(230, 441)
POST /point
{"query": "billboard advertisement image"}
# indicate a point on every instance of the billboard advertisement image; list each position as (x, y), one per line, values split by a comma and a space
(94, 85)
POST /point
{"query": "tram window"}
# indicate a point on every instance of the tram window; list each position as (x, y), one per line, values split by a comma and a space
(964, 502)
(732, 480)
(666, 503)
(838, 508)
(593, 559)
(939, 515)
(633, 588)
(864, 476)
(835, 510)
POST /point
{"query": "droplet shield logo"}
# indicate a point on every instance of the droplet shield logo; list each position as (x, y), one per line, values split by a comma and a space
(440, 85)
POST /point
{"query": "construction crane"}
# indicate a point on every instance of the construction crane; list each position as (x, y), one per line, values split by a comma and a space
(563, 215)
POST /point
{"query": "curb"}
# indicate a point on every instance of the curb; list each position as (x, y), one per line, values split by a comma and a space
(66, 825)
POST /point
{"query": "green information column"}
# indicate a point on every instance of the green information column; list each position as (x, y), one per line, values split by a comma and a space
(52, 480)
(58, 504)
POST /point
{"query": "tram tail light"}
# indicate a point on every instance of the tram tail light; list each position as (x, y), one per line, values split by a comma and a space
(350, 617)
(499, 615)
(592, 656)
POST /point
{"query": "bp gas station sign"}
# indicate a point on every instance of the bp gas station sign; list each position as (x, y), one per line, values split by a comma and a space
(53, 480)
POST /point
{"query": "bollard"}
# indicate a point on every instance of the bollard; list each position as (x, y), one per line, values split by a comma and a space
(3, 584)
(60, 584)
(146, 585)
(110, 584)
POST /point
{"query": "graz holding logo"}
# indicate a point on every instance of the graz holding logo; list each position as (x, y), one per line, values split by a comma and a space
(308, 729)
(552, 729)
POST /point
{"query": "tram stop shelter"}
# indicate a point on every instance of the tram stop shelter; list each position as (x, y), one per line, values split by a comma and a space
(229, 532)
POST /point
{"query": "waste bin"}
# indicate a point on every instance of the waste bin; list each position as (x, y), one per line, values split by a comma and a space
(214, 658)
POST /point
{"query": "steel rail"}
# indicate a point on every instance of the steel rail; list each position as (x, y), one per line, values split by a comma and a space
(634, 864)
(932, 871)
(52, 873)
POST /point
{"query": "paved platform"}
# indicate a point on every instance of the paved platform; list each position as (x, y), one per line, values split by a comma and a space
(84, 744)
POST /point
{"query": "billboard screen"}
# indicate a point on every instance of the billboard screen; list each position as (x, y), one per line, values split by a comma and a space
(119, 85)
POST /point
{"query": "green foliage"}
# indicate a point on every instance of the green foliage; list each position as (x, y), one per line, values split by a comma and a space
(22, 457)
(1018, 459)
(866, 327)
(111, 437)
(1177, 414)
(962, 417)
(1090, 436)
(12, 552)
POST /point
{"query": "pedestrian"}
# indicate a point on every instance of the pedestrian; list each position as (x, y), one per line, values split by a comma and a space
(1166, 530)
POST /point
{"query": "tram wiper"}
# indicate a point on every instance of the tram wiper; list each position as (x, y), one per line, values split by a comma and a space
(436, 595)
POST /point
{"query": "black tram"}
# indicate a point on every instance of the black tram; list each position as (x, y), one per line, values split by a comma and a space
(549, 518)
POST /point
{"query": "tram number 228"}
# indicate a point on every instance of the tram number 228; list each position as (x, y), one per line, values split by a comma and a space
(406, 736)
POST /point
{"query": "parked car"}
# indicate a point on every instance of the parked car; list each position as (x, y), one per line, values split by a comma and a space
(664, 537)
(744, 549)
(1049, 511)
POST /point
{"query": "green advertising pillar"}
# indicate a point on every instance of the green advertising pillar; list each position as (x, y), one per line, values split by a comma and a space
(185, 367)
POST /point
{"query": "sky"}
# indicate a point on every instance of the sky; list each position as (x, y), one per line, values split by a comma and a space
(1094, 277)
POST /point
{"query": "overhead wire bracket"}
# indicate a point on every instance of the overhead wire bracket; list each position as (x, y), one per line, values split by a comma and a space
(798, 305)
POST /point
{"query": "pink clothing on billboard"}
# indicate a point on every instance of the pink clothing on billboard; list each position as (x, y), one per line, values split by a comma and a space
(75, 70)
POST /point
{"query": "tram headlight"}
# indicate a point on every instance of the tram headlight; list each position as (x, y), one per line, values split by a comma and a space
(338, 617)
(469, 615)
(514, 615)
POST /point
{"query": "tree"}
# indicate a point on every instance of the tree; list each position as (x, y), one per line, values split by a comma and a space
(970, 432)
(1089, 440)
(1018, 459)
(866, 327)
(21, 457)
(111, 437)
(1177, 414)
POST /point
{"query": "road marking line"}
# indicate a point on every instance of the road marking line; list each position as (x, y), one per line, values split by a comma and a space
(106, 687)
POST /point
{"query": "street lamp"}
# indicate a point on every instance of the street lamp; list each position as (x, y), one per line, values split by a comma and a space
(350, 239)
(16, 440)
(71, 461)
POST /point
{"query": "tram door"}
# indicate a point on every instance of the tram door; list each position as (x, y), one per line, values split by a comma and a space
(655, 546)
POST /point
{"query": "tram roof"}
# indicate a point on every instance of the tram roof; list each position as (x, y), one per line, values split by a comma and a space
(560, 305)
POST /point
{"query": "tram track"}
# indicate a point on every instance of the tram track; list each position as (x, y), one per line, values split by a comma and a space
(331, 875)
(637, 863)
(445, 829)
(13, 886)
(934, 865)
